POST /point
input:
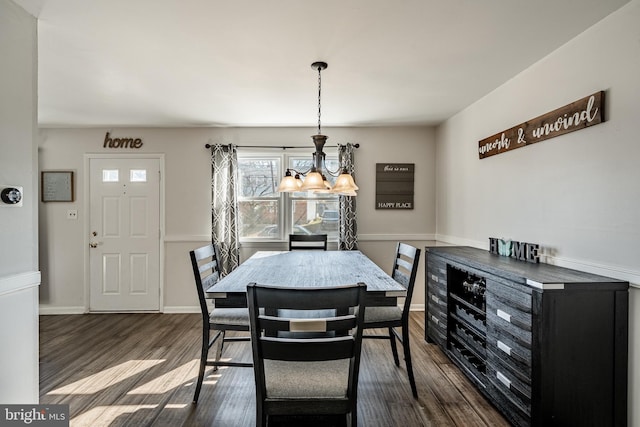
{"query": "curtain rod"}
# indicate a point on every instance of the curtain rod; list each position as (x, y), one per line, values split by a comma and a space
(282, 147)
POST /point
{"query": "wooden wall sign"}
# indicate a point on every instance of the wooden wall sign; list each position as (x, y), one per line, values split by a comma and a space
(394, 185)
(580, 114)
(133, 143)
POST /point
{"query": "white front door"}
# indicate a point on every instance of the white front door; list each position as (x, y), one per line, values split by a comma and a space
(124, 234)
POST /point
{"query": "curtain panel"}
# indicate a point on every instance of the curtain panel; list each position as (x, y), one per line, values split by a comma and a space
(348, 238)
(224, 204)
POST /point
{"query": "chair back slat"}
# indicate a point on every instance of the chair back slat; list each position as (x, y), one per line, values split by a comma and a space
(304, 325)
(405, 269)
(205, 262)
(402, 278)
(307, 242)
(307, 298)
(404, 265)
(311, 350)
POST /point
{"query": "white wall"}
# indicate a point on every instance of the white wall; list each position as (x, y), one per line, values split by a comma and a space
(187, 200)
(19, 277)
(578, 195)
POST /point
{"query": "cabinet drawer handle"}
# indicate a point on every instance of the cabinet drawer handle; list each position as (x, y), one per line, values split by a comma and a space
(435, 299)
(504, 380)
(503, 315)
(435, 319)
(434, 278)
(502, 346)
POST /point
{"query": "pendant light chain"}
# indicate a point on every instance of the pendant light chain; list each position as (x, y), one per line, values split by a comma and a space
(319, 93)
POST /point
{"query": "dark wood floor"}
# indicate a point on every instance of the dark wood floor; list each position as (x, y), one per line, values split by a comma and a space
(139, 370)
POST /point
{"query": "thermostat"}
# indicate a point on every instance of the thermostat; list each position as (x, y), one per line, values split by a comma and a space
(10, 195)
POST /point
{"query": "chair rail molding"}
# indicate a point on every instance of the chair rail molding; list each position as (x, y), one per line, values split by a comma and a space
(17, 282)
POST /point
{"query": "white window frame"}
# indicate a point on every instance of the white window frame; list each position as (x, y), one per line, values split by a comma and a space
(285, 199)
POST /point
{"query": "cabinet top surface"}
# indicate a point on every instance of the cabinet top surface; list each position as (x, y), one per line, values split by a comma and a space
(543, 276)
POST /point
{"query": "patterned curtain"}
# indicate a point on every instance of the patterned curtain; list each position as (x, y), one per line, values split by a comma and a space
(348, 239)
(224, 204)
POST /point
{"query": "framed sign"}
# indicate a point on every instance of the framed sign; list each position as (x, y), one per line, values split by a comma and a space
(56, 186)
(394, 185)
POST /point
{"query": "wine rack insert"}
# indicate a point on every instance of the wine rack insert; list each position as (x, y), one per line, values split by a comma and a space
(467, 322)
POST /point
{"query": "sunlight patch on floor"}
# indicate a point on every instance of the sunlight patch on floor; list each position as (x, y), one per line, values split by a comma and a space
(169, 380)
(106, 378)
(106, 415)
(176, 405)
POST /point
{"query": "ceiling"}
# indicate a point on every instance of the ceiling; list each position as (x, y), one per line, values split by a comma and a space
(247, 62)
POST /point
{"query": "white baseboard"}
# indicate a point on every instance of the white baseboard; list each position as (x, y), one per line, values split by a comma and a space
(181, 309)
(416, 307)
(49, 310)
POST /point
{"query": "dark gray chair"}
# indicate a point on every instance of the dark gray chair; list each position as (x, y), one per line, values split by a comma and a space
(305, 364)
(206, 271)
(405, 267)
(307, 241)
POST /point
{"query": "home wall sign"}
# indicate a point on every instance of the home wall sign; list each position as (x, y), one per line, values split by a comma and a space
(519, 250)
(585, 112)
(394, 185)
(133, 143)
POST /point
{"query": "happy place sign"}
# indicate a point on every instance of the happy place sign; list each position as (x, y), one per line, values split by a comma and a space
(580, 114)
(394, 185)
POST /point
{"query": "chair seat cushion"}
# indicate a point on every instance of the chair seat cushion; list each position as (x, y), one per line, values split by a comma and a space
(326, 379)
(382, 314)
(230, 316)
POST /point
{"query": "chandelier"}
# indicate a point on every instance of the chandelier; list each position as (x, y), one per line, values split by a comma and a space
(315, 178)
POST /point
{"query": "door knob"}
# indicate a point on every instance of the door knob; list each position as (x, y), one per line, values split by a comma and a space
(93, 245)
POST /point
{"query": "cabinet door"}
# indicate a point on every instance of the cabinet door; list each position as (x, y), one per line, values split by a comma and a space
(509, 341)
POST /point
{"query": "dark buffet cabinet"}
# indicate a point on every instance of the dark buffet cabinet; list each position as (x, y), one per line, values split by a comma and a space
(546, 345)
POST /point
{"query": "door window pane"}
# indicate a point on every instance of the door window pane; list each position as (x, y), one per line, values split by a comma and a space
(138, 175)
(110, 175)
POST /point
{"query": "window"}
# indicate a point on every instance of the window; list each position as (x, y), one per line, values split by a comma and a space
(138, 175)
(265, 214)
(258, 198)
(110, 175)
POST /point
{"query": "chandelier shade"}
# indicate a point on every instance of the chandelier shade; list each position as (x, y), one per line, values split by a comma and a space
(345, 185)
(289, 183)
(315, 178)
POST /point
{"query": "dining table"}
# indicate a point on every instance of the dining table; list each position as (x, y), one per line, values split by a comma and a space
(304, 269)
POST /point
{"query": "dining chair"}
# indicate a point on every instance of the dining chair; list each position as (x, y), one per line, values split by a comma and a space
(405, 268)
(206, 271)
(306, 365)
(308, 241)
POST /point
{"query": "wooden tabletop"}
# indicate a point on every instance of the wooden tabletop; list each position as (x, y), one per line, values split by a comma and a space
(307, 269)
